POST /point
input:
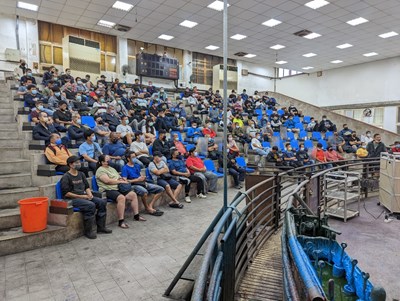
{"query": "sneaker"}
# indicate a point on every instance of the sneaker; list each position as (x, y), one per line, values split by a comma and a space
(210, 191)
(187, 199)
(201, 196)
(238, 187)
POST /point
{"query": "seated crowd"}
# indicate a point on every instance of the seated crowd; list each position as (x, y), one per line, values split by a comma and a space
(138, 130)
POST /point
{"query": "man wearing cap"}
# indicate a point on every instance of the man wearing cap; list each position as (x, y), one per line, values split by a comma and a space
(196, 167)
(75, 187)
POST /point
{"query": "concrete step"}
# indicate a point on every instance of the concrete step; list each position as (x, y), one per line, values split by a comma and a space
(8, 126)
(13, 240)
(9, 218)
(8, 134)
(14, 166)
(10, 197)
(7, 143)
(17, 180)
(40, 181)
(10, 151)
(9, 111)
(6, 105)
(9, 117)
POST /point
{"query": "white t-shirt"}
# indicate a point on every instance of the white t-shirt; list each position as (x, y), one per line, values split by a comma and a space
(124, 129)
(102, 107)
(255, 143)
(138, 146)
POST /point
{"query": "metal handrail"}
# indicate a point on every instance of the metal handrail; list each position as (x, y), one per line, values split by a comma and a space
(249, 226)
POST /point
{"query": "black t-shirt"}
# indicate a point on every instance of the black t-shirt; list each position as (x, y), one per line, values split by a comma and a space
(62, 115)
(75, 184)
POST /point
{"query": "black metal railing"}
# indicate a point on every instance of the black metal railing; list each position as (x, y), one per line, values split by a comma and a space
(235, 236)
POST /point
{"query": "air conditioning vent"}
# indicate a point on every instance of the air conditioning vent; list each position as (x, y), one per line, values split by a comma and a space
(302, 33)
(241, 54)
(122, 28)
(76, 40)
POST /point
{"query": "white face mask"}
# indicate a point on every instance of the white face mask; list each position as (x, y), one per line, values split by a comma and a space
(195, 154)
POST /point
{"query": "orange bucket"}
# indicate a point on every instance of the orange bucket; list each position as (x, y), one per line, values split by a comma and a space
(34, 214)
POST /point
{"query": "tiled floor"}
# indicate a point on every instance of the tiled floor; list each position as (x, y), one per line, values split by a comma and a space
(133, 264)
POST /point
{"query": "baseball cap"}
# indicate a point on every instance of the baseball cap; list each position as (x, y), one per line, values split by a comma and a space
(72, 159)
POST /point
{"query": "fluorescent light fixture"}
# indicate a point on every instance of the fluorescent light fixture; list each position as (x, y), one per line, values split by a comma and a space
(357, 21)
(28, 6)
(312, 35)
(212, 47)
(344, 46)
(370, 54)
(122, 6)
(336, 62)
(188, 24)
(238, 37)
(106, 23)
(271, 23)
(250, 55)
(217, 5)
(309, 54)
(280, 62)
(165, 37)
(277, 47)
(307, 68)
(316, 4)
(388, 35)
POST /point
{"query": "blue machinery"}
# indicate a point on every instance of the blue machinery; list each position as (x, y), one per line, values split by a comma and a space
(236, 235)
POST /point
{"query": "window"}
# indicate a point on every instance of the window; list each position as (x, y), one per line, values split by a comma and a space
(287, 72)
(376, 118)
(202, 67)
(50, 40)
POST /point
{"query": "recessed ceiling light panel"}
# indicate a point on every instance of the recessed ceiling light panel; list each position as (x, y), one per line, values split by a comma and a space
(105, 23)
(388, 34)
(280, 62)
(336, 62)
(27, 6)
(212, 47)
(271, 23)
(277, 47)
(370, 54)
(344, 46)
(250, 55)
(309, 54)
(217, 5)
(312, 35)
(357, 21)
(122, 6)
(316, 4)
(238, 37)
(188, 24)
(165, 37)
(307, 68)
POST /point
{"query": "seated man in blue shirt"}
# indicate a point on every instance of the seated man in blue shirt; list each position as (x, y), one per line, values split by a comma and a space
(178, 168)
(289, 157)
(90, 150)
(131, 173)
(194, 132)
(31, 96)
(291, 125)
(116, 150)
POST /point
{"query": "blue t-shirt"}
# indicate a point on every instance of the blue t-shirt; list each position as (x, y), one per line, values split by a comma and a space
(114, 149)
(178, 165)
(131, 172)
(89, 149)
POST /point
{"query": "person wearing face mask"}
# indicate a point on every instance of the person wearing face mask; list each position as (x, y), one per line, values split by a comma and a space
(362, 151)
(76, 131)
(178, 168)
(57, 153)
(111, 118)
(102, 131)
(303, 157)
(62, 115)
(140, 149)
(367, 138)
(337, 142)
(48, 75)
(162, 145)
(67, 77)
(289, 157)
(376, 147)
(326, 125)
(239, 134)
(345, 131)
(179, 145)
(276, 123)
(125, 131)
(257, 146)
(79, 104)
(251, 130)
(28, 75)
(395, 147)
(149, 131)
(31, 96)
(90, 150)
(102, 81)
(161, 95)
(43, 129)
(39, 108)
(136, 86)
(238, 121)
(352, 143)
(196, 167)
(80, 86)
(99, 105)
(319, 155)
(267, 132)
(194, 133)
(115, 149)
(209, 131)
(75, 187)
(312, 125)
(55, 98)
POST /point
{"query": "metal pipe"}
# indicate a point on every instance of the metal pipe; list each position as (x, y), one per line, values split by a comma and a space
(17, 31)
(225, 88)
